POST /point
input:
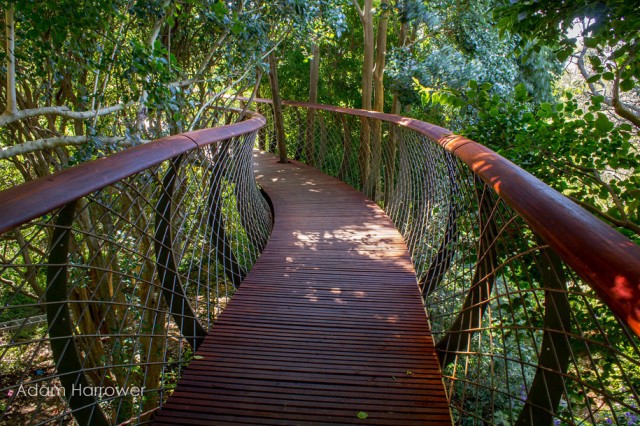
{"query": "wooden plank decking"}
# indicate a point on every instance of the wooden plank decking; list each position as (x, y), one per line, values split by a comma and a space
(328, 324)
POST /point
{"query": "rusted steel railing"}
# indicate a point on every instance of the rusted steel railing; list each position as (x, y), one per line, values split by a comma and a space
(534, 303)
(130, 258)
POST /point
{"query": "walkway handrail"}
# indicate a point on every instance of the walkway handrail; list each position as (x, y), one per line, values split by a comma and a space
(130, 258)
(534, 303)
(32, 199)
(603, 257)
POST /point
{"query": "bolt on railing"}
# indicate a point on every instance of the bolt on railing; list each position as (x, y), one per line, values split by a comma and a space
(534, 304)
(131, 258)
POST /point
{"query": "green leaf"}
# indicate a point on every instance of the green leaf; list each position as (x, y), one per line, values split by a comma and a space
(362, 415)
(593, 78)
(521, 92)
(543, 114)
(590, 42)
(219, 9)
(563, 55)
(473, 84)
(608, 76)
(486, 86)
(237, 28)
(627, 85)
(603, 124)
(595, 61)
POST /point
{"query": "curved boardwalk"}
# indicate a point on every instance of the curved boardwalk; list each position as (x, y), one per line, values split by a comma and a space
(328, 324)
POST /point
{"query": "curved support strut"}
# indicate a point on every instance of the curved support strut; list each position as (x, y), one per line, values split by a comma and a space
(69, 364)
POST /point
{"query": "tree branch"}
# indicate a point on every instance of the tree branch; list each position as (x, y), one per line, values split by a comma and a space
(226, 89)
(359, 9)
(597, 212)
(623, 110)
(253, 93)
(62, 111)
(204, 65)
(620, 108)
(155, 31)
(58, 141)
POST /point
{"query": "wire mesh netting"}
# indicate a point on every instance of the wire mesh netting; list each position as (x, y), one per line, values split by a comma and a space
(105, 300)
(521, 338)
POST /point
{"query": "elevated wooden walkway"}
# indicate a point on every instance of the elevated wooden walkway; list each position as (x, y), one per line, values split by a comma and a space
(328, 328)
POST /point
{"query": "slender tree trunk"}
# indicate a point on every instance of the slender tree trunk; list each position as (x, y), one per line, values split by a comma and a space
(366, 17)
(153, 36)
(262, 133)
(394, 131)
(314, 74)
(373, 181)
(313, 98)
(12, 106)
(381, 55)
(277, 107)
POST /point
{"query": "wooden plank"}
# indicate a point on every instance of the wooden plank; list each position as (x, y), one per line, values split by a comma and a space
(328, 323)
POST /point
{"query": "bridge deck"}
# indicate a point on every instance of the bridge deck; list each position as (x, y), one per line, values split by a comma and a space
(327, 325)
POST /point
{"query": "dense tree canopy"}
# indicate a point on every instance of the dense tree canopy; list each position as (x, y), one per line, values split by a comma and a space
(84, 78)
(552, 85)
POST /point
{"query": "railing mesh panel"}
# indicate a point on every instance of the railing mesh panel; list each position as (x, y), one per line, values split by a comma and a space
(105, 300)
(521, 339)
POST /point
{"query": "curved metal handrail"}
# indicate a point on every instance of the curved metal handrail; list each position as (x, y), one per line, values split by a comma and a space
(533, 302)
(131, 266)
(32, 199)
(185, 201)
(603, 257)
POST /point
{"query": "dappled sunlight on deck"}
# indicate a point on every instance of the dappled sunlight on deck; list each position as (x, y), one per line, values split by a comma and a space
(328, 323)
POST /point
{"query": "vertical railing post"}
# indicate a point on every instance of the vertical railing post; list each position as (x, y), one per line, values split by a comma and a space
(458, 337)
(84, 405)
(310, 137)
(277, 108)
(172, 288)
(346, 148)
(447, 250)
(548, 384)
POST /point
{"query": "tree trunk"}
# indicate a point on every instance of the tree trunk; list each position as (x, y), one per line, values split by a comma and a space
(369, 46)
(12, 106)
(373, 182)
(313, 98)
(366, 17)
(277, 107)
(381, 54)
(394, 131)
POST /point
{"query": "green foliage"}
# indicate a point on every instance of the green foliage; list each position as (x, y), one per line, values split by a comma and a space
(463, 43)
(581, 153)
(608, 29)
(612, 23)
